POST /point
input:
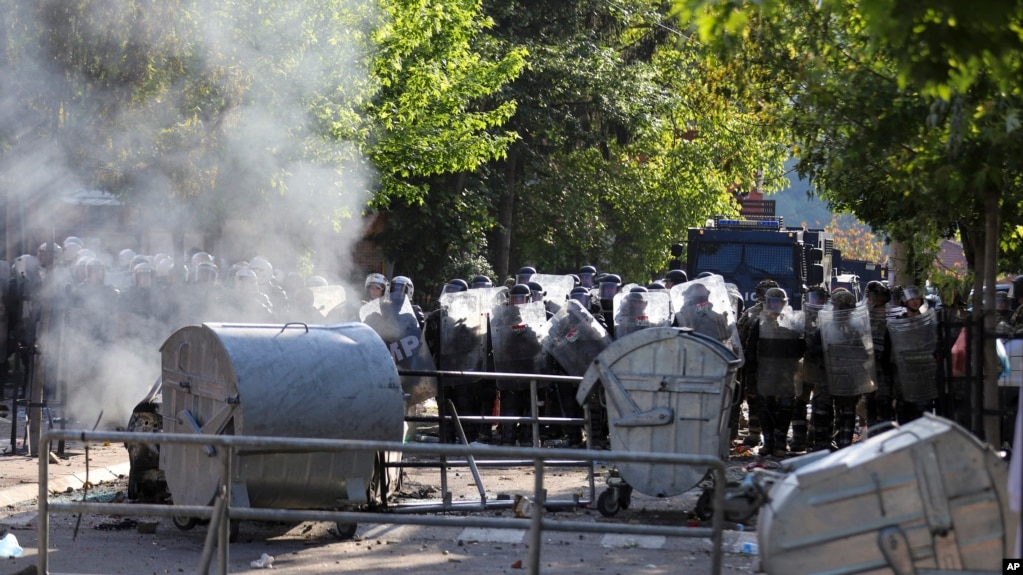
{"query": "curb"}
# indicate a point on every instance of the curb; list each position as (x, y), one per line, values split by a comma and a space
(29, 492)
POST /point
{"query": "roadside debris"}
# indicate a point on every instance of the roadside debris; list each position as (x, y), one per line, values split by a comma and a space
(264, 562)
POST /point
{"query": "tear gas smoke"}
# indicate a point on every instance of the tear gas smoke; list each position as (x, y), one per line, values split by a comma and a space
(221, 153)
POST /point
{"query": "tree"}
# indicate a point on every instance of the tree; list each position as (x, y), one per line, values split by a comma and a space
(855, 239)
(286, 117)
(628, 135)
(912, 149)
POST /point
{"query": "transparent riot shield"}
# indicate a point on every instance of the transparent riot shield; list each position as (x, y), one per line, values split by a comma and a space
(516, 333)
(716, 295)
(811, 321)
(557, 287)
(463, 332)
(574, 338)
(813, 369)
(848, 350)
(704, 306)
(779, 352)
(913, 345)
(120, 279)
(400, 330)
(634, 311)
(327, 298)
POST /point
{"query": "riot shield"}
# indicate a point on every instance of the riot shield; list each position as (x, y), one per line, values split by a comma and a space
(848, 350)
(400, 330)
(327, 298)
(717, 296)
(120, 279)
(574, 338)
(634, 311)
(813, 368)
(778, 352)
(705, 307)
(463, 332)
(490, 297)
(913, 345)
(516, 333)
(557, 287)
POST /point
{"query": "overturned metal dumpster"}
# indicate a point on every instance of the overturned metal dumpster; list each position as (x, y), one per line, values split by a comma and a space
(928, 497)
(668, 391)
(323, 381)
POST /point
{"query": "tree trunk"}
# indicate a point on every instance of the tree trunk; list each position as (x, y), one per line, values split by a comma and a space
(992, 427)
(898, 264)
(505, 218)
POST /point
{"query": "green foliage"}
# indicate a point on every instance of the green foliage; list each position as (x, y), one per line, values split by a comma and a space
(630, 133)
(275, 112)
(948, 47)
(910, 148)
(431, 114)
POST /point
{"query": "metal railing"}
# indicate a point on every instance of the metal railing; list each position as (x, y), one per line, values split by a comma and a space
(448, 418)
(230, 446)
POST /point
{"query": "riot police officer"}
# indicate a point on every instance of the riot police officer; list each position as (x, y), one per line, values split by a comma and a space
(911, 356)
(402, 287)
(139, 297)
(813, 374)
(674, 278)
(250, 304)
(268, 285)
(774, 348)
(517, 349)
(879, 404)
(698, 314)
(524, 274)
(481, 281)
(375, 286)
(843, 338)
(607, 286)
(748, 376)
(454, 286)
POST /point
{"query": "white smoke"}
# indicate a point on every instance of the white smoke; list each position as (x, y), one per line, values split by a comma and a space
(280, 190)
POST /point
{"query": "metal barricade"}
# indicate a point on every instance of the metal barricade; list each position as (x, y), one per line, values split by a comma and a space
(448, 416)
(221, 512)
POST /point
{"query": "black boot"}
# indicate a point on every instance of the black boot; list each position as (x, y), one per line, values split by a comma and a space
(799, 427)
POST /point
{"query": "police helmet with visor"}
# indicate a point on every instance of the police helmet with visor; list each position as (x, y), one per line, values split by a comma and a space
(581, 295)
(455, 286)
(775, 300)
(586, 275)
(519, 294)
(481, 281)
(609, 285)
(524, 274)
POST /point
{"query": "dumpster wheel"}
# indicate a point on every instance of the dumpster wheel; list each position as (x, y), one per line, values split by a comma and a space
(184, 523)
(346, 531)
(608, 502)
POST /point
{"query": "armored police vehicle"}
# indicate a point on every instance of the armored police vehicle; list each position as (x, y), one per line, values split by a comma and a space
(746, 251)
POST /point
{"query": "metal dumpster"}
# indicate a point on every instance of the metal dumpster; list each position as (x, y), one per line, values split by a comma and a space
(322, 381)
(926, 497)
(668, 391)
